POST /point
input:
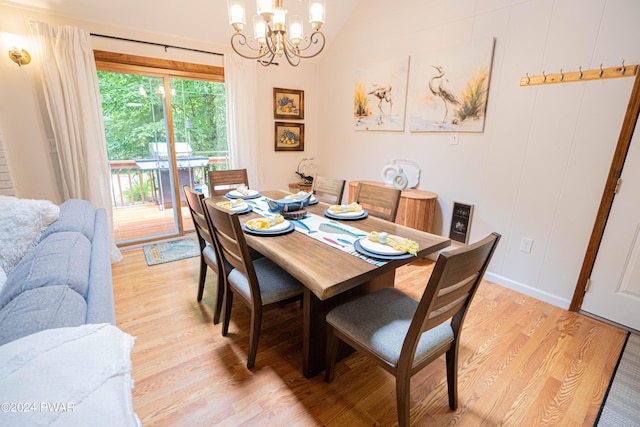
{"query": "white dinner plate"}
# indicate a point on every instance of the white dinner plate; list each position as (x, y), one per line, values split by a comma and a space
(239, 207)
(236, 193)
(275, 228)
(379, 248)
(346, 214)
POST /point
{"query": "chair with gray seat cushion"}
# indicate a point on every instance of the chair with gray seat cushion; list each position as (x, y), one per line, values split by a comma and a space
(404, 335)
(381, 202)
(328, 190)
(259, 283)
(208, 255)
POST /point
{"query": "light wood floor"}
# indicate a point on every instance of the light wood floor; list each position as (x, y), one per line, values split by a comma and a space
(522, 362)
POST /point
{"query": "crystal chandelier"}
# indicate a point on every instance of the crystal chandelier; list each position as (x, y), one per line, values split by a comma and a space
(270, 36)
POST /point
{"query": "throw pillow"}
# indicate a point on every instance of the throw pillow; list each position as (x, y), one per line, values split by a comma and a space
(21, 222)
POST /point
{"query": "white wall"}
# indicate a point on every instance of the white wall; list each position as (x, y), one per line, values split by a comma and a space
(539, 167)
(278, 167)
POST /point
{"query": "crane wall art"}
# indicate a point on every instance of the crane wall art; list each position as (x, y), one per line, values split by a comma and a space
(448, 88)
(381, 95)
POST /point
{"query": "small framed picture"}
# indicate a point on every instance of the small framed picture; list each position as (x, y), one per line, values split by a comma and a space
(288, 104)
(289, 136)
(461, 222)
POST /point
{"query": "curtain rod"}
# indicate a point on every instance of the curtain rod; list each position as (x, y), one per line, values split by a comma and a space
(166, 46)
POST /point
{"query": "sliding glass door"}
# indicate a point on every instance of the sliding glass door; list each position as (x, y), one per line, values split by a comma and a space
(162, 132)
(198, 110)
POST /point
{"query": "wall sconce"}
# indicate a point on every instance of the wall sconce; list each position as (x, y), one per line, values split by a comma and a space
(19, 56)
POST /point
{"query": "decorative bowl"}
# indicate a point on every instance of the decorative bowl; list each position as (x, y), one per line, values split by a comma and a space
(295, 214)
(291, 203)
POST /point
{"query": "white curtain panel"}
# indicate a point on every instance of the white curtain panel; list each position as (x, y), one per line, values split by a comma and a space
(70, 84)
(241, 83)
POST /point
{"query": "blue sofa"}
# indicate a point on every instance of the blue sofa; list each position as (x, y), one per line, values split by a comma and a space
(64, 280)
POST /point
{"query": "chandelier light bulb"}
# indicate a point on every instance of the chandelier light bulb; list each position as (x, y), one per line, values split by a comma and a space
(265, 8)
(236, 14)
(260, 30)
(316, 13)
(295, 30)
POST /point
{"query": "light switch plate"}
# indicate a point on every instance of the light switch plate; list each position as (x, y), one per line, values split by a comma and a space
(526, 244)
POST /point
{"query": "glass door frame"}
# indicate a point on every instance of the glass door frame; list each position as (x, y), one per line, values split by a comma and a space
(132, 64)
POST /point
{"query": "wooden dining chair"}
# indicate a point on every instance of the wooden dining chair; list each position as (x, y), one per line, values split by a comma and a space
(208, 254)
(328, 190)
(403, 335)
(221, 182)
(259, 283)
(381, 202)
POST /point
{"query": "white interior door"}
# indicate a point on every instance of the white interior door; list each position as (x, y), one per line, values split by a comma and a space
(614, 292)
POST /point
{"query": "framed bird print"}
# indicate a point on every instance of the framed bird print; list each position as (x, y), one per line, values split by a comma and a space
(449, 88)
(380, 95)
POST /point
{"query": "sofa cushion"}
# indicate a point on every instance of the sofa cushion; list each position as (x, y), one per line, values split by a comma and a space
(100, 304)
(3, 278)
(60, 259)
(21, 222)
(39, 309)
(75, 215)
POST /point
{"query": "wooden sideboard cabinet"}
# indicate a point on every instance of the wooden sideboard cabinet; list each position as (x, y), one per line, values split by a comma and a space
(417, 207)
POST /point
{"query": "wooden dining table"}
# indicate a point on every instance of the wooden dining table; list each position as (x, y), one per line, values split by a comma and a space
(331, 276)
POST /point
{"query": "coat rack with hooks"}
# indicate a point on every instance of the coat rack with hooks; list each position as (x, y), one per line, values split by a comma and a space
(580, 75)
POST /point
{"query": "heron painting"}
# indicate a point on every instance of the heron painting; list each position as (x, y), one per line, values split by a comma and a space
(380, 95)
(449, 88)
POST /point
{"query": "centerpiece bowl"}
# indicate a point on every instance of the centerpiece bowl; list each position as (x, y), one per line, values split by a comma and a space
(295, 202)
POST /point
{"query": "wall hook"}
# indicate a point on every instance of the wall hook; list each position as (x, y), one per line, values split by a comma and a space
(544, 77)
(624, 70)
(580, 75)
(601, 71)
(561, 75)
(528, 79)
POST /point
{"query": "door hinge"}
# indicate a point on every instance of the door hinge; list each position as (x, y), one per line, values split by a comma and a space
(618, 184)
(587, 286)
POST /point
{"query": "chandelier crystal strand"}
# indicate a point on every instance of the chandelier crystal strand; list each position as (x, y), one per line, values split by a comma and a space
(271, 39)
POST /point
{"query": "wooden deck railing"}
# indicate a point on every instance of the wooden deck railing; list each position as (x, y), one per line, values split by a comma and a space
(131, 185)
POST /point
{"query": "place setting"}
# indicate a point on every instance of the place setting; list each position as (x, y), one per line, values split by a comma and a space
(239, 206)
(243, 192)
(352, 211)
(274, 225)
(386, 246)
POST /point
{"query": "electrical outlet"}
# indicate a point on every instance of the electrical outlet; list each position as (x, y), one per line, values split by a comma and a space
(526, 244)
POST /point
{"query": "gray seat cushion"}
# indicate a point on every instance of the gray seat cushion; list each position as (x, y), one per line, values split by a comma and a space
(275, 283)
(42, 308)
(209, 255)
(380, 322)
(60, 259)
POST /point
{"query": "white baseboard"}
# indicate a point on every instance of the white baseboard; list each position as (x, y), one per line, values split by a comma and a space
(527, 290)
(511, 284)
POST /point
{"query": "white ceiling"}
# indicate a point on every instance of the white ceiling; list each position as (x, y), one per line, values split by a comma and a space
(192, 19)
